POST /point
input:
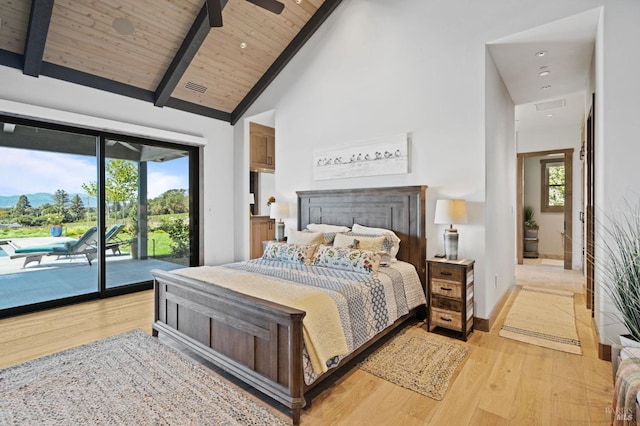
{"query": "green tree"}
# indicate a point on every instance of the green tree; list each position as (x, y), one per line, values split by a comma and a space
(121, 185)
(77, 209)
(170, 202)
(556, 185)
(23, 207)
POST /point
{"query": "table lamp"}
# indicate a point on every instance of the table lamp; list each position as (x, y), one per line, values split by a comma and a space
(278, 211)
(450, 212)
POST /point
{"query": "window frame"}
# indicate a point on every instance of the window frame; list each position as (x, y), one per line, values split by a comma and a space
(544, 188)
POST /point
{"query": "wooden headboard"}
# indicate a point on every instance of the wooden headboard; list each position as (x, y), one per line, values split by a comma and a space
(401, 209)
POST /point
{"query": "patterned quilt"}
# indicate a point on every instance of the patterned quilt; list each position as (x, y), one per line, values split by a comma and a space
(367, 304)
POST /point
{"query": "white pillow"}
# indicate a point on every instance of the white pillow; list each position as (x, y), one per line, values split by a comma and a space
(359, 229)
(304, 238)
(322, 227)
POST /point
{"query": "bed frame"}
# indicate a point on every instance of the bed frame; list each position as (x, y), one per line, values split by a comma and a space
(260, 342)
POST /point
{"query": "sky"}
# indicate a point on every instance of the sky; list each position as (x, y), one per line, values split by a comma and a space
(27, 172)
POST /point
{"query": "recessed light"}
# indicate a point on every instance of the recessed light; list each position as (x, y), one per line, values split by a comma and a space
(547, 87)
(298, 1)
(544, 73)
(541, 53)
(549, 115)
(243, 45)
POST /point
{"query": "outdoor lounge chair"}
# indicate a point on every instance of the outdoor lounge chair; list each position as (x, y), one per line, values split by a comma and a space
(69, 248)
(112, 241)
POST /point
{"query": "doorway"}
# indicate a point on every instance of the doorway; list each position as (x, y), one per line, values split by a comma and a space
(554, 204)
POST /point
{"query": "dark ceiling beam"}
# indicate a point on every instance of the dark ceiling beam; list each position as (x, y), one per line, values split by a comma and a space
(190, 46)
(287, 54)
(198, 109)
(39, 20)
(90, 80)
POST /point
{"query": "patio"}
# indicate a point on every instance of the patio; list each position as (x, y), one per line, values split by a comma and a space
(68, 276)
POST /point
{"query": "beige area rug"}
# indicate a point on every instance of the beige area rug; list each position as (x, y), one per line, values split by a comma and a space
(129, 379)
(418, 361)
(543, 317)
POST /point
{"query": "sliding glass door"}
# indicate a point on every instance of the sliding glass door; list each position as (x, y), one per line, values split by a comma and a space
(48, 222)
(89, 215)
(147, 200)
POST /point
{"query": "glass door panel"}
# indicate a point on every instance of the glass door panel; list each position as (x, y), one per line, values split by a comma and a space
(48, 228)
(147, 208)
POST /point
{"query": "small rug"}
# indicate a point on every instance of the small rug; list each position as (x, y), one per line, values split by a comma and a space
(543, 317)
(417, 361)
(129, 379)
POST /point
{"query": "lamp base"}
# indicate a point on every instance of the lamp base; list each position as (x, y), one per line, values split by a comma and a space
(280, 231)
(451, 243)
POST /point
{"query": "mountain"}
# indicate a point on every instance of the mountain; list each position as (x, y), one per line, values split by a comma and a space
(40, 198)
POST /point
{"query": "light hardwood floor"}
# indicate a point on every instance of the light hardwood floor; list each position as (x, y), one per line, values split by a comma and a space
(500, 382)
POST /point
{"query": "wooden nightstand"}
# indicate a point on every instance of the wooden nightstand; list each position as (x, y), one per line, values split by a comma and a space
(450, 288)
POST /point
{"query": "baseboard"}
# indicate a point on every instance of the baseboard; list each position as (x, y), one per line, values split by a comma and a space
(551, 256)
(483, 324)
(604, 351)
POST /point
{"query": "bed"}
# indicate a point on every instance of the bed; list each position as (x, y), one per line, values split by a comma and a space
(262, 342)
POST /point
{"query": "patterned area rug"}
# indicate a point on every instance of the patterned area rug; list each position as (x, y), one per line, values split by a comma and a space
(543, 317)
(418, 361)
(129, 379)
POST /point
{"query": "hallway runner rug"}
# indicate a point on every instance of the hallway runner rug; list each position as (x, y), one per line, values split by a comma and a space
(418, 361)
(543, 317)
(128, 379)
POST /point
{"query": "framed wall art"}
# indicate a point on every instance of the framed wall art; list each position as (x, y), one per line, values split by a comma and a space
(372, 157)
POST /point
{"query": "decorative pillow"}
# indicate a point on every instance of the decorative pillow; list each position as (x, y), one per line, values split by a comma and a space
(328, 236)
(363, 261)
(289, 252)
(371, 243)
(395, 241)
(323, 227)
(304, 238)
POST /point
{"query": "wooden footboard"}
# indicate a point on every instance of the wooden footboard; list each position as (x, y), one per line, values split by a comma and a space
(257, 341)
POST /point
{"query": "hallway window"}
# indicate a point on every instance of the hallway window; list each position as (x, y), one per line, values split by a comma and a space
(553, 185)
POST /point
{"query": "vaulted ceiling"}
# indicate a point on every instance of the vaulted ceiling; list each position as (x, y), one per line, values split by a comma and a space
(160, 51)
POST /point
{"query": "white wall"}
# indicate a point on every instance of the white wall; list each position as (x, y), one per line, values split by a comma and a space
(561, 138)
(551, 224)
(501, 189)
(617, 131)
(379, 68)
(62, 96)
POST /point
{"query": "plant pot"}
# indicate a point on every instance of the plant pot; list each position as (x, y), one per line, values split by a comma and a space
(55, 230)
(133, 248)
(530, 232)
(628, 342)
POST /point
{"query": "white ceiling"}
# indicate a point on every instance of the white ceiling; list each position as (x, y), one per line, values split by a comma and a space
(569, 45)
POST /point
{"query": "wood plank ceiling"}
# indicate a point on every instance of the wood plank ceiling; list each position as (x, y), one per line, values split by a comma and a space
(161, 51)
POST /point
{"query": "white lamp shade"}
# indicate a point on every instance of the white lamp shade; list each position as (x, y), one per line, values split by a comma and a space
(279, 210)
(451, 212)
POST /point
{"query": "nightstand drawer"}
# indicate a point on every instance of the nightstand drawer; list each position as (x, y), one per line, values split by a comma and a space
(446, 304)
(446, 288)
(447, 319)
(446, 272)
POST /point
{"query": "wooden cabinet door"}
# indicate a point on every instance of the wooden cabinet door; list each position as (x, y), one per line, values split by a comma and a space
(263, 147)
(262, 229)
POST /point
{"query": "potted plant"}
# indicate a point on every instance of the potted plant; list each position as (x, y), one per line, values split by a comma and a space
(620, 272)
(530, 234)
(54, 220)
(530, 224)
(133, 231)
